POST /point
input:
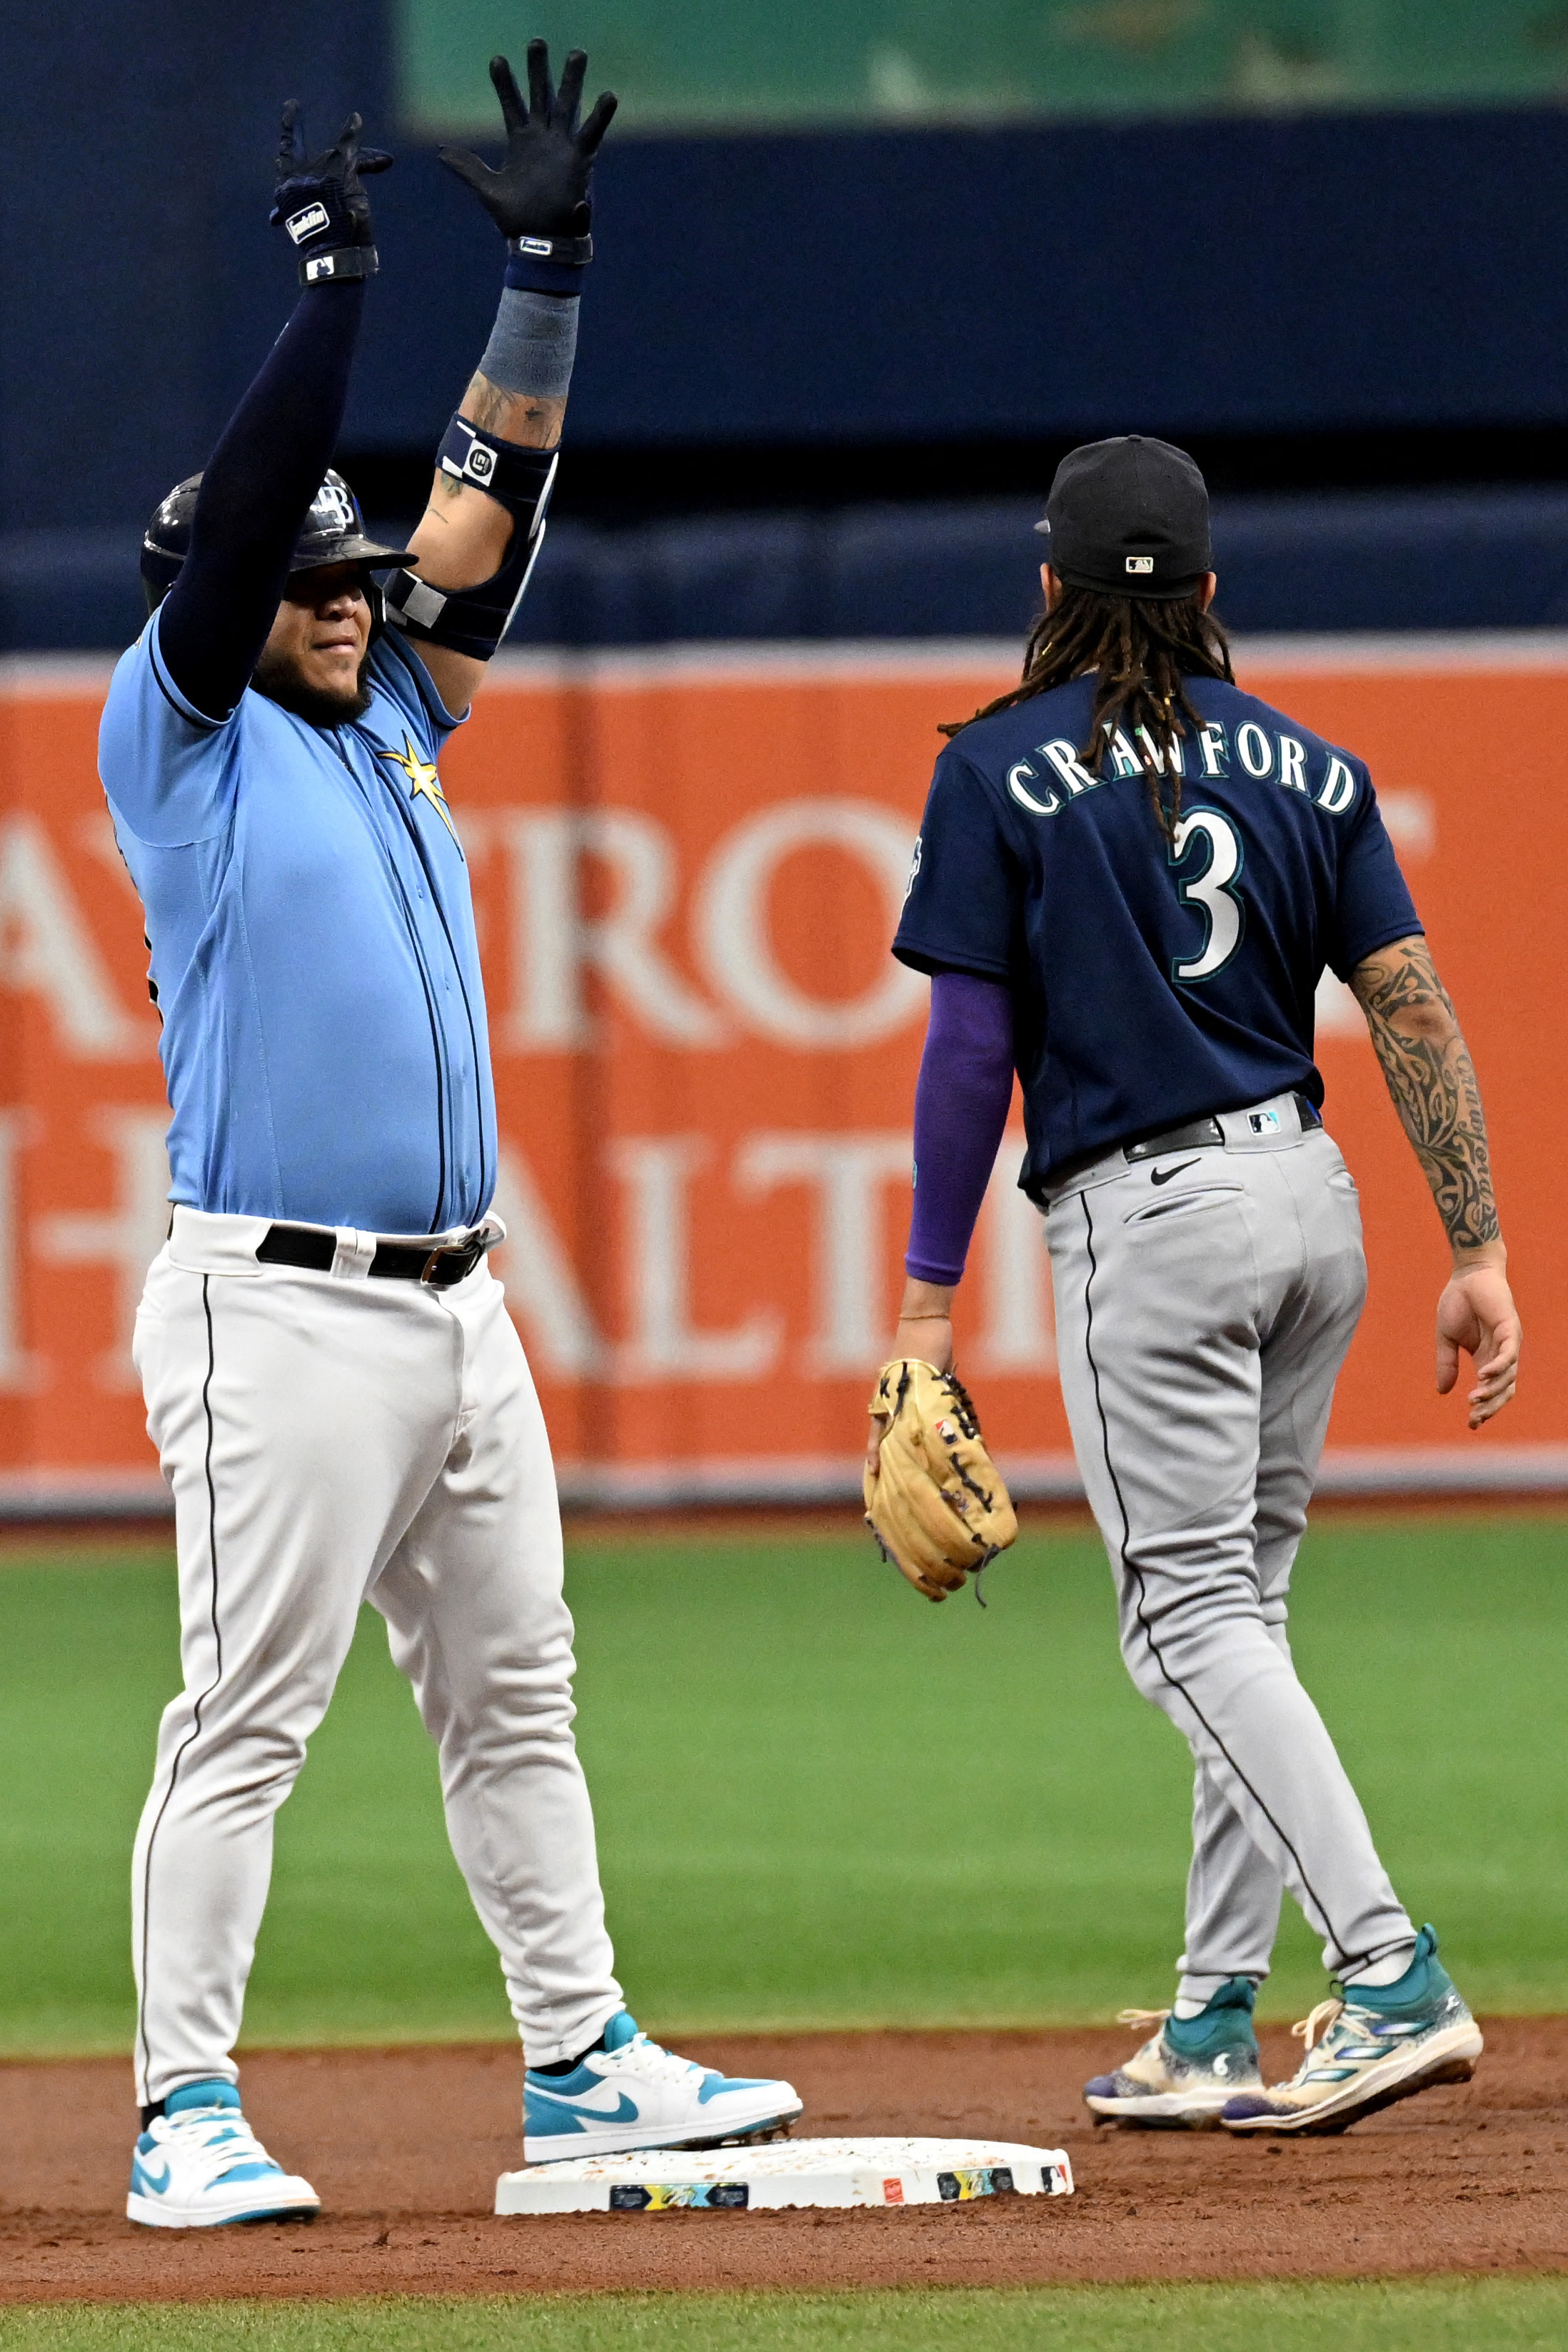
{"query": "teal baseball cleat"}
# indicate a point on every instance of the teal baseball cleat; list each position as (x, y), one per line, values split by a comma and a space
(1367, 2047)
(1181, 2079)
(199, 2164)
(630, 2093)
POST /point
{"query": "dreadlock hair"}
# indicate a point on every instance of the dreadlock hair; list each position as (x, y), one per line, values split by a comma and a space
(1142, 649)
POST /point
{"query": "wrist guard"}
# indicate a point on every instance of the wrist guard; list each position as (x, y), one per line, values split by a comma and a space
(346, 261)
(547, 265)
(473, 621)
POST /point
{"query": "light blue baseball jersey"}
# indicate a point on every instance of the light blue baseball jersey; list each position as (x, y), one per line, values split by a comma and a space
(313, 955)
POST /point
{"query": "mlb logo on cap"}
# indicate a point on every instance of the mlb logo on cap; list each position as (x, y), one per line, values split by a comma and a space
(1130, 518)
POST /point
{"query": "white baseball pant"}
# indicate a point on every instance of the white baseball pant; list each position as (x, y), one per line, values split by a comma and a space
(1205, 1300)
(331, 1440)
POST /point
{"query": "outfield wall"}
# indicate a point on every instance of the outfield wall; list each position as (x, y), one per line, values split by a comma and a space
(687, 865)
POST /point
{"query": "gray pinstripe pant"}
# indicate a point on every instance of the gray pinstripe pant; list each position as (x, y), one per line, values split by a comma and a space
(1204, 1301)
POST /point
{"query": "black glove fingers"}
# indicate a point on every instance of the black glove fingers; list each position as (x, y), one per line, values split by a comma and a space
(344, 150)
(569, 97)
(541, 96)
(514, 114)
(373, 159)
(468, 168)
(598, 123)
(289, 150)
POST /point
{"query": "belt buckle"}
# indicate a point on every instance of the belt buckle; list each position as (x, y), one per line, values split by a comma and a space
(473, 1248)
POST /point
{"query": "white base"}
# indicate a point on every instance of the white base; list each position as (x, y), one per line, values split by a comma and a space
(788, 2172)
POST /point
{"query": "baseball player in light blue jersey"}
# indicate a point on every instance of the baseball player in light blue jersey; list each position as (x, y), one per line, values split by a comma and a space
(338, 1396)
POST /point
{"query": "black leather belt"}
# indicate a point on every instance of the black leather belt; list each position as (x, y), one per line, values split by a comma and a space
(440, 1267)
(1202, 1134)
(1198, 1135)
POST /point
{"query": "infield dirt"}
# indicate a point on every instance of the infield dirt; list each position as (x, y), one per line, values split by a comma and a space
(404, 2146)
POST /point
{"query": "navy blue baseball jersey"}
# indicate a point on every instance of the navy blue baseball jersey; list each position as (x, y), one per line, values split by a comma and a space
(1153, 981)
(314, 957)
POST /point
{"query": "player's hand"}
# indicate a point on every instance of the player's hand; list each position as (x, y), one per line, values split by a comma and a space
(319, 199)
(1476, 1312)
(541, 189)
(930, 1340)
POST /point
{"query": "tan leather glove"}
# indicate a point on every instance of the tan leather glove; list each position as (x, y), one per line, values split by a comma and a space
(936, 1503)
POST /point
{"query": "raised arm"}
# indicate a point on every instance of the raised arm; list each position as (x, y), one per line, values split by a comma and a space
(269, 465)
(480, 534)
(1432, 1079)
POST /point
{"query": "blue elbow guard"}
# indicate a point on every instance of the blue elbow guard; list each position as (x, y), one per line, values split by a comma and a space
(473, 621)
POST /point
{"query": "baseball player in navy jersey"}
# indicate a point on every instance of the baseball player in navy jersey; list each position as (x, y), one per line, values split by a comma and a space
(1129, 877)
(337, 1393)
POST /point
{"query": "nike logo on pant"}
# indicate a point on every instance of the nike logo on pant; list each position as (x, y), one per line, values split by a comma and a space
(1164, 1175)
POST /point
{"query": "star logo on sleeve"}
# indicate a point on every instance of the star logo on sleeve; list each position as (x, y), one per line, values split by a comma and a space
(423, 782)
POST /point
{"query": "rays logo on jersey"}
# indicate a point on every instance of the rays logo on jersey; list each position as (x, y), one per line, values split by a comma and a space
(424, 783)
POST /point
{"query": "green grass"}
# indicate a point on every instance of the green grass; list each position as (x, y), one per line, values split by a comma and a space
(1505, 2315)
(820, 1801)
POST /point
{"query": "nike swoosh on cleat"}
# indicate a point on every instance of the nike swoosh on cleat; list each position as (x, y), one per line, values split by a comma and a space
(1164, 1175)
(155, 2181)
(581, 2118)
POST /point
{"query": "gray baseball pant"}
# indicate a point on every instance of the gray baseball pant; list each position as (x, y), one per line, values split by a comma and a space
(1205, 1300)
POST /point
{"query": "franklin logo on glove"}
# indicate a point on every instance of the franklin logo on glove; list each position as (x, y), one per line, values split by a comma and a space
(308, 223)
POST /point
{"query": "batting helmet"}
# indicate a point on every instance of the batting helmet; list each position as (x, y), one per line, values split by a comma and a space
(333, 532)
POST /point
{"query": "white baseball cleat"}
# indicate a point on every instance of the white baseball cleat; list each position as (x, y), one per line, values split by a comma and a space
(199, 2164)
(1182, 2077)
(1366, 2048)
(631, 2094)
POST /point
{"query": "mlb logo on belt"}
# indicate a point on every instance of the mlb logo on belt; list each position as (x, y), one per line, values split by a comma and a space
(1263, 1122)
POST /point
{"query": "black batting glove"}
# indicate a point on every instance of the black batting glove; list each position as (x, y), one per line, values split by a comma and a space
(540, 197)
(321, 205)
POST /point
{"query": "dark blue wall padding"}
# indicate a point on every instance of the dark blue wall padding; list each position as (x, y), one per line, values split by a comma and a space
(1415, 561)
(1483, 560)
(1227, 275)
(1259, 275)
(1249, 277)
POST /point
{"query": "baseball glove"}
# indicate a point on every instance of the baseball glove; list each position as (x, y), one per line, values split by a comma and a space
(936, 1503)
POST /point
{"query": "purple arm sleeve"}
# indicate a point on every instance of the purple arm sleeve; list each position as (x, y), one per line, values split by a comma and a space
(961, 1099)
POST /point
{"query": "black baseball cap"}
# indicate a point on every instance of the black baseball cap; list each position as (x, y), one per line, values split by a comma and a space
(1130, 517)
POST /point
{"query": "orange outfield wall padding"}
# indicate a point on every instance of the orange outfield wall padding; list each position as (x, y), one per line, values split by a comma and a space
(687, 871)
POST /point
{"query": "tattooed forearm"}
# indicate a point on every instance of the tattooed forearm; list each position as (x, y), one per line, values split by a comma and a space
(525, 417)
(1433, 1082)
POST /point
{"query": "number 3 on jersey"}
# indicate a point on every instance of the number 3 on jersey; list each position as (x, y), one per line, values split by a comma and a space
(1209, 890)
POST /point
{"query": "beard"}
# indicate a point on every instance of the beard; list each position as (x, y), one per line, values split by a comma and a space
(279, 678)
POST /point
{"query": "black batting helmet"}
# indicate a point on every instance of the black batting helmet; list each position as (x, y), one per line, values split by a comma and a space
(333, 532)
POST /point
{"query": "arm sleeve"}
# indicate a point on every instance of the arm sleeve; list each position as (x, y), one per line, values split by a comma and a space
(1375, 904)
(962, 1100)
(961, 911)
(254, 496)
